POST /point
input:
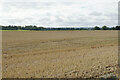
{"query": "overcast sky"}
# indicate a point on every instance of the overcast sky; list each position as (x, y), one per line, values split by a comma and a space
(55, 13)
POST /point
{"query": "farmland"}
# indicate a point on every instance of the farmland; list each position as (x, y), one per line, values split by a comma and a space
(51, 54)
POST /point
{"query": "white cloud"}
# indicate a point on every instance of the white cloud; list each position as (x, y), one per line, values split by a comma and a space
(86, 13)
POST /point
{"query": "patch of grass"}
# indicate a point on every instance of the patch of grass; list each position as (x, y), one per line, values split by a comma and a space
(14, 30)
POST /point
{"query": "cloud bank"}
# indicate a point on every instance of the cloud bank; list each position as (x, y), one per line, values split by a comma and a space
(58, 13)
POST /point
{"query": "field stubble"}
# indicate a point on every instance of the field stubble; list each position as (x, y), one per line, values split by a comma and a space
(59, 54)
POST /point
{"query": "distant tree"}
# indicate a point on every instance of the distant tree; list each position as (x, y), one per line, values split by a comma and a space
(96, 28)
(1, 27)
(19, 27)
(105, 28)
(113, 28)
(41, 28)
(117, 28)
(31, 27)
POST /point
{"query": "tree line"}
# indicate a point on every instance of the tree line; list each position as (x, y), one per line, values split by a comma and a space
(11, 27)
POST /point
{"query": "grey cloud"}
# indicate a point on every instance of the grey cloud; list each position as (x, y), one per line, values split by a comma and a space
(70, 13)
(111, 15)
(34, 5)
(96, 13)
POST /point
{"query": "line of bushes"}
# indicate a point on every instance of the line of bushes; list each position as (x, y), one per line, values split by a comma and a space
(10, 27)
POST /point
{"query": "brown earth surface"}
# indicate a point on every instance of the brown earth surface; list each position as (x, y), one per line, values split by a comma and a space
(51, 54)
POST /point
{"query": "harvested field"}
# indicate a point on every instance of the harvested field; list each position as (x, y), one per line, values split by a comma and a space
(50, 54)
